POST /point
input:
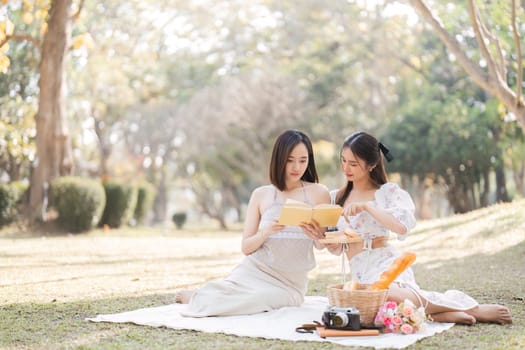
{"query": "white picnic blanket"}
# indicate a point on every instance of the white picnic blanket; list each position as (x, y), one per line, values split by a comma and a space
(276, 324)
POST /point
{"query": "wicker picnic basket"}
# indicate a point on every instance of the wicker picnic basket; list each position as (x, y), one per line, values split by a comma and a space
(367, 301)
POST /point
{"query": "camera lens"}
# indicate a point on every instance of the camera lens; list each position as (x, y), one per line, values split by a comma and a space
(340, 319)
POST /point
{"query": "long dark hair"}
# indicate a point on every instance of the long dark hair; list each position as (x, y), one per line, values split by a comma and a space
(283, 146)
(367, 148)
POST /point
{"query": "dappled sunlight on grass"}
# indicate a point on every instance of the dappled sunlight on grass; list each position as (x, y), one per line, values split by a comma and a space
(486, 231)
(86, 266)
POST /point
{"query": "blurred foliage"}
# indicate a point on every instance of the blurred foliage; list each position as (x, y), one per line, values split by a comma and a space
(179, 219)
(79, 202)
(18, 103)
(452, 131)
(192, 94)
(145, 197)
(121, 200)
(10, 198)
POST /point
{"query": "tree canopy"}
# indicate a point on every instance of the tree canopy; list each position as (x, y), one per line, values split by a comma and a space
(191, 94)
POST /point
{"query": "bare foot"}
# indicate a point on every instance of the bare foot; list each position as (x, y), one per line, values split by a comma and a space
(459, 317)
(491, 313)
(184, 296)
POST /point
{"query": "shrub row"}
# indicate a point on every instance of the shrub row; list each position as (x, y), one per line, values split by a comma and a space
(83, 203)
(78, 201)
(10, 199)
(145, 198)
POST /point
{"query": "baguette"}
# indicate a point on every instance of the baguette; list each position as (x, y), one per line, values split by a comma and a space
(399, 265)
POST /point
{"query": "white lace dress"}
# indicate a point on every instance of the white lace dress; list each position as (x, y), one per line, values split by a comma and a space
(367, 266)
(274, 276)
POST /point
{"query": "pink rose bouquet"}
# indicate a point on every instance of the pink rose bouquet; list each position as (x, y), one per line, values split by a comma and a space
(404, 318)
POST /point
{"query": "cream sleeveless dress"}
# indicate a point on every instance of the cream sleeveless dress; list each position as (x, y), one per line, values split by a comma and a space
(367, 266)
(274, 276)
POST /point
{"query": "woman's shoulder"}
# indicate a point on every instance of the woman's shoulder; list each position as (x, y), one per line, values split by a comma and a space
(315, 187)
(317, 193)
(389, 187)
(391, 191)
(261, 190)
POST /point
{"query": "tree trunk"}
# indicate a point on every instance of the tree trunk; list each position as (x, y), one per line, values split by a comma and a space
(493, 80)
(519, 177)
(457, 195)
(104, 147)
(230, 191)
(501, 185)
(14, 169)
(517, 109)
(54, 155)
(222, 223)
(456, 198)
(211, 210)
(484, 195)
(473, 198)
(160, 206)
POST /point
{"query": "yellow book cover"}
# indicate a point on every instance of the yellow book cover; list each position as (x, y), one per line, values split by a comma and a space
(295, 213)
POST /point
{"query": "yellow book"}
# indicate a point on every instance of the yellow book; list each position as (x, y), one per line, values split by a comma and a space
(295, 213)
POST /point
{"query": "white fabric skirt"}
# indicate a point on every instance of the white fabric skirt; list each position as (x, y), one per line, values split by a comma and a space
(251, 288)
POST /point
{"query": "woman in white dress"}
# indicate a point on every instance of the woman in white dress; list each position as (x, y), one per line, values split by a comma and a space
(274, 272)
(374, 207)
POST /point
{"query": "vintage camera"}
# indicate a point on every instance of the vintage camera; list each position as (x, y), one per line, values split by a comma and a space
(342, 318)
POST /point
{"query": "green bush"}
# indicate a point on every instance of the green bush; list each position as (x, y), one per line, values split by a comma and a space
(121, 199)
(145, 197)
(10, 195)
(21, 189)
(78, 202)
(179, 219)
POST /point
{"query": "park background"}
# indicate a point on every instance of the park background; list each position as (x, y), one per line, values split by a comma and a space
(168, 110)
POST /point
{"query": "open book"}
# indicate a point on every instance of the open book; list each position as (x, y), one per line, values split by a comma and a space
(295, 213)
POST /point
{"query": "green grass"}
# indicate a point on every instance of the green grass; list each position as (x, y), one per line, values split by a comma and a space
(50, 283)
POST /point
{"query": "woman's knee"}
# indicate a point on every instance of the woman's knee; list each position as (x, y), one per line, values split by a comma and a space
(399, 294)
(396, 294)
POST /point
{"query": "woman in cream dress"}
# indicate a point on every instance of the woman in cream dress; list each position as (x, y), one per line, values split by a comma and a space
(274, 272)
(373, 208)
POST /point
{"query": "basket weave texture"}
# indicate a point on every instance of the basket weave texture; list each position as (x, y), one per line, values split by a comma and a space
(367, 301)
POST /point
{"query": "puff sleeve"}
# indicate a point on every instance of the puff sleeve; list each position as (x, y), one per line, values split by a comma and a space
(398, 203)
